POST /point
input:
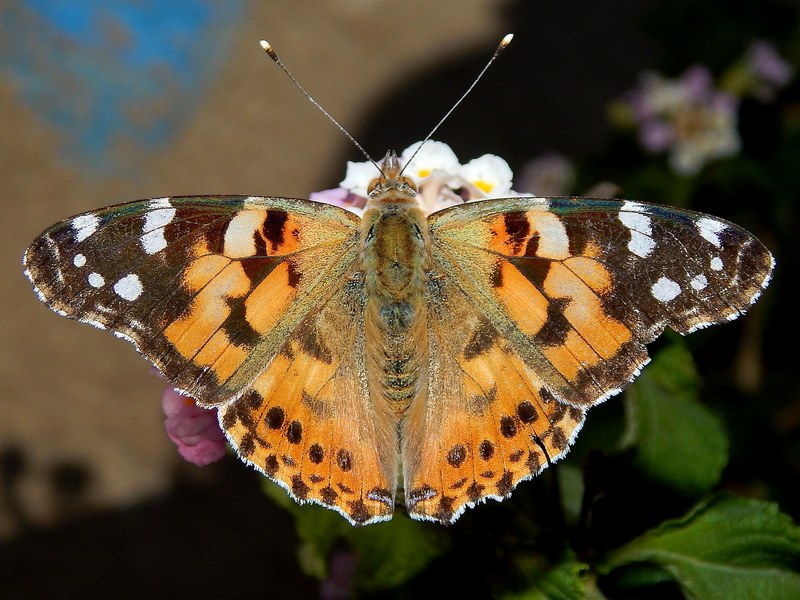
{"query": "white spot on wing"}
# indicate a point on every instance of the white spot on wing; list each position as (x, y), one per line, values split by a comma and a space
(129, 287)
(553, 239)
(716, 263)
(636, 221)
(153, 239)
(665, 289)
(84, 226)
(79, 260)
(96, 280)
(240, 234)
(640, 244)
(633, 206)
(709, 229)
(699, 282)
(160, 203)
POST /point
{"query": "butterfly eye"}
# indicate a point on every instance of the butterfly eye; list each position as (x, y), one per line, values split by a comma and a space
(373, 185)
(407, 184)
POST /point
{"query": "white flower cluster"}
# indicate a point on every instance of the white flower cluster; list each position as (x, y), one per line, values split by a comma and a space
(441, 179)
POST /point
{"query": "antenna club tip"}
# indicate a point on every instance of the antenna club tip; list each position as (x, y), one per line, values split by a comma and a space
(268, 48)
(506, 40)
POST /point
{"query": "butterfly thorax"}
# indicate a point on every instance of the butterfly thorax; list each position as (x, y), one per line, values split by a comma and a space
(394, 258)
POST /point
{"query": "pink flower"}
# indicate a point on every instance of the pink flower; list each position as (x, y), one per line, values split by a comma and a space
(762, 72)
(687, 117)
(656, 136)
(549, 174)
(194, 430)
(342, 197)
(763, 59)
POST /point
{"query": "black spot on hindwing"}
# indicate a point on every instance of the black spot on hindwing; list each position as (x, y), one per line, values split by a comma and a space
(508, 427)
(457, 455)
(316, 454)
(486, 450)
(344, 459)
(294, 433)
(274, 417)
(526, 412)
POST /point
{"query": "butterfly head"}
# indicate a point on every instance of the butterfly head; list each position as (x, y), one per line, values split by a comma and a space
(392, 185)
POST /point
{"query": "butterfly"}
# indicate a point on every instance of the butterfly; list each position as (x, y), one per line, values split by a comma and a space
(452, 355)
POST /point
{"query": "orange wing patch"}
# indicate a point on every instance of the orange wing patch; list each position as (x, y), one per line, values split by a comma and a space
(209, 309)
(268, 302)
(524, 302)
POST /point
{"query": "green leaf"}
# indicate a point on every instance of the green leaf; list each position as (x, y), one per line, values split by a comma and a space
(387, 554)
(678, 441)
(542, 580)
(395, 551)
(572, 489)
(727, 547)
(318, 528)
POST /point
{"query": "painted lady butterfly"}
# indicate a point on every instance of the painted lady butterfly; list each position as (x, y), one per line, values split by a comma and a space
(456, 352)
(463, 348)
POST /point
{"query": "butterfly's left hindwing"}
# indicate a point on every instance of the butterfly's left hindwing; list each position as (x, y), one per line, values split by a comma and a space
(207, 288)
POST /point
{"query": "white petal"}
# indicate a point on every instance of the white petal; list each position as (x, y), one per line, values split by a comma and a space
(489, 173)
(433, 156)
(358, 177)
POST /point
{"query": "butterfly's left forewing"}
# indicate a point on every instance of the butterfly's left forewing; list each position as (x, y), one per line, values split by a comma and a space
(207, 288)
(540, 308)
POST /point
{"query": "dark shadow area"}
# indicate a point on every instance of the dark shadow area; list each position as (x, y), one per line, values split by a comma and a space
(547, 93)
(216, 540)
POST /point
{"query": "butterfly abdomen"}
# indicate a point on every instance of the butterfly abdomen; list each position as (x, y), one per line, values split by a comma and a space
(394, 255)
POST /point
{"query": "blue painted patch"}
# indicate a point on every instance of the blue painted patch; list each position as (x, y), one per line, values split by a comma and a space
(115, 76)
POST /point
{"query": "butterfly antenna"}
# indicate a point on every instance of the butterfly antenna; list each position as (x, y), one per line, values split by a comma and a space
(502, 46)
(271, 52)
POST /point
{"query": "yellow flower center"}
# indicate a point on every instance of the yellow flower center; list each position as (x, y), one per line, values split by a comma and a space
(693, 122)
(484, 186)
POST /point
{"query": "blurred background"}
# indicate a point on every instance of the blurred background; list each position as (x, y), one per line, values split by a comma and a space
(106, 102)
